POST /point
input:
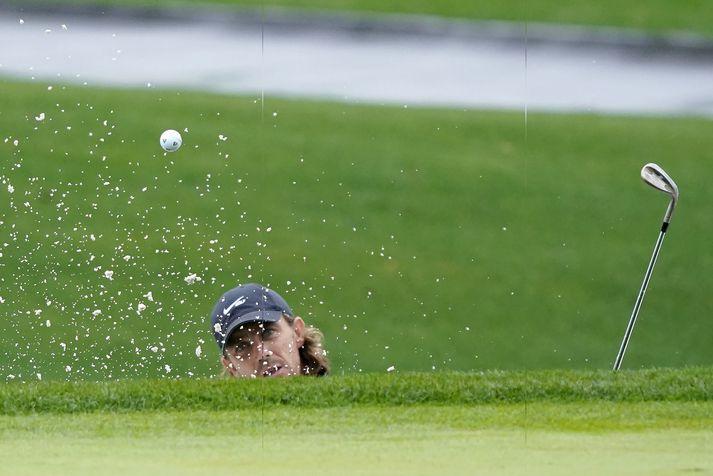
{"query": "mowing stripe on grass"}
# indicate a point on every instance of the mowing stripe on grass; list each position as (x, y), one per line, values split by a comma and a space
(590, 416)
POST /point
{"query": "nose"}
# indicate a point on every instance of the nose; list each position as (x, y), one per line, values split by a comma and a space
(264, 350)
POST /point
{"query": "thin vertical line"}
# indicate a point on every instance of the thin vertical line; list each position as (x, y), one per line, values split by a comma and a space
(262, 406)
(527, 90)
(262, 116)
(262, 61)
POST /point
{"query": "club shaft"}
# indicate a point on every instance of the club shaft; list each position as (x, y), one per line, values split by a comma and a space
(640, 298)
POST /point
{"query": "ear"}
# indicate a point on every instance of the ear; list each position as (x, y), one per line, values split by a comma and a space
(299, 327)
(228, 365)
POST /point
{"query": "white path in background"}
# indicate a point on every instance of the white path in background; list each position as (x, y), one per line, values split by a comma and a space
(376, 68)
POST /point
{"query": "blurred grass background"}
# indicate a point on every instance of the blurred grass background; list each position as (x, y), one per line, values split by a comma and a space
(657, 16)
(416, 238)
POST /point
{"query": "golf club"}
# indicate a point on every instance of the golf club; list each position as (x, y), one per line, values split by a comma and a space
(654, 176)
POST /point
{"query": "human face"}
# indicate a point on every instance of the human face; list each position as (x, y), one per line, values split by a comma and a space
(265, 349)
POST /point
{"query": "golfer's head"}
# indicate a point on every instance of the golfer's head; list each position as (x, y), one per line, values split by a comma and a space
(257, 333)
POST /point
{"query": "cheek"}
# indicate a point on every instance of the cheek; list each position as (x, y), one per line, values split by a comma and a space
(242, 365)
(293, 345)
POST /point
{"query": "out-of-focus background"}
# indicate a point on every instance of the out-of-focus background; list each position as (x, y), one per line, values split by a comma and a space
(435, 185)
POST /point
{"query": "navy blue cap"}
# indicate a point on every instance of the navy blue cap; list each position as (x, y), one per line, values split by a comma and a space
(245, 304)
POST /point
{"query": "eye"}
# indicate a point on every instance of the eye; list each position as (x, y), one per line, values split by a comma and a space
(242, 346)
(268, 332)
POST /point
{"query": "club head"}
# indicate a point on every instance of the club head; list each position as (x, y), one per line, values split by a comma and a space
(656, 177)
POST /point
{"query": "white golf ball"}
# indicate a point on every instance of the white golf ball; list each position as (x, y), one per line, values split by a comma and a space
(171, 140)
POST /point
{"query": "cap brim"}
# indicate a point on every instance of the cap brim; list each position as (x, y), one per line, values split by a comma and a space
(256, 316)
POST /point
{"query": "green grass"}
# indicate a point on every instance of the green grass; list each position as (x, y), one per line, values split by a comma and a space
(653, 15)
(368, 440)
(416, 238)
(440, 388)
(547, 422)
(373, 440)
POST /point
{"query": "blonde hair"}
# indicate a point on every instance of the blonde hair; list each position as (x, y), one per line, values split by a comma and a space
(313, 357)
